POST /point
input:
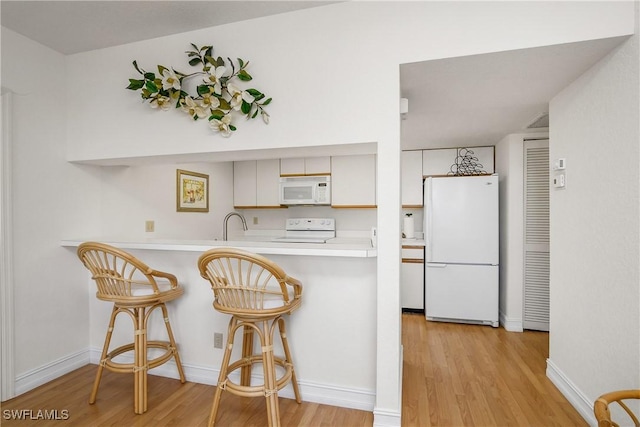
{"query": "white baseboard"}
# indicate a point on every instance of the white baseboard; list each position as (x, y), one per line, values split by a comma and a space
(385, 418)
(510, 324)
(573, 394)
(325, 394)
(42, 375)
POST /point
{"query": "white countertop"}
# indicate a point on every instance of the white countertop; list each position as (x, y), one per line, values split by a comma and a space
(337, 247)
(413, 242)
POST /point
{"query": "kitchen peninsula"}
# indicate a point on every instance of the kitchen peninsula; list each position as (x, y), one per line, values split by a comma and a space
(328, 334)
(338, 247)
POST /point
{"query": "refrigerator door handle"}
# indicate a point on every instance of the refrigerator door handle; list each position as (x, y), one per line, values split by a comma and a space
(428, 220)
(435, 265)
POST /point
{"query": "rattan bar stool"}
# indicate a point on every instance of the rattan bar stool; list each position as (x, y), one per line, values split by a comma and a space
(137, 290)
(256, 292)
(623, 398)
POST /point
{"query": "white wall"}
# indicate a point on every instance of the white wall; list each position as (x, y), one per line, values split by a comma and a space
(325, 91)
(595, 247)
(326, 334)
(124, 212)
(349, 222)
(509, 163)
(51, 199)
(510, 168)
(329, 87)
(133, 195)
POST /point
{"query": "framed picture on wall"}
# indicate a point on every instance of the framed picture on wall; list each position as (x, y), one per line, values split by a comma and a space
(192, 192)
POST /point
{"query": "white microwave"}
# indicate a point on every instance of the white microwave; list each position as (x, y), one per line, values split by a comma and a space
(305, 190)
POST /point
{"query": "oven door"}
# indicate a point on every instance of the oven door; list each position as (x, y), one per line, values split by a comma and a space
(297, 193)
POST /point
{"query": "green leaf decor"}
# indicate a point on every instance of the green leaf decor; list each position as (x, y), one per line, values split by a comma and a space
(217, 97)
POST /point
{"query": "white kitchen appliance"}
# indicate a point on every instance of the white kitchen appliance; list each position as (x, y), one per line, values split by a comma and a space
(305, 190)
(461, 261)
(308, 230)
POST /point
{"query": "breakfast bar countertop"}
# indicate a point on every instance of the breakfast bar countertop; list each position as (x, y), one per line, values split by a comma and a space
(338, 247)
(334, 274)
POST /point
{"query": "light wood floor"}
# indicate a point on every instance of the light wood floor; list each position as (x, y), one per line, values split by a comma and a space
(468, 375)
(454, 375)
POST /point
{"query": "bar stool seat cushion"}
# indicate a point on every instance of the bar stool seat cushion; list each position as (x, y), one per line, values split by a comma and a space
(137, 290)
(257, 293)
(140, 289)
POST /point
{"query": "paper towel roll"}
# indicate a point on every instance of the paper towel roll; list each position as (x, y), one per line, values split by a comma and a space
(409, 232)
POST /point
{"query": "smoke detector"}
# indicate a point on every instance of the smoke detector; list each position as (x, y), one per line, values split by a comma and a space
(404, 108)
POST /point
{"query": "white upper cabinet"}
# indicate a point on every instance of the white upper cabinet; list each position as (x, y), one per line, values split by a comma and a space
(244, 184)
(353, 181)
(485, 158)
(268, 183)
(412, 179)
(294, 166)
(317, 165)
(438, 162)
(305, 166)
(255, 184)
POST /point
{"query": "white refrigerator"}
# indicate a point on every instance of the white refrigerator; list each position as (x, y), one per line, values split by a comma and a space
(462, 242)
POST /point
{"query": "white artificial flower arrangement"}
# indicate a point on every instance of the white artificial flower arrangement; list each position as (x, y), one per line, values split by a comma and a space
(217, 96)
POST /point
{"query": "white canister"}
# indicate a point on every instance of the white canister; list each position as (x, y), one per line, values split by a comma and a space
(408, 228)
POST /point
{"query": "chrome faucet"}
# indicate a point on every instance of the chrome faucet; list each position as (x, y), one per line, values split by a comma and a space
(226, 222)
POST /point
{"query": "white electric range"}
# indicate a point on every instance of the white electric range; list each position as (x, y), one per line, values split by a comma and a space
(308, 230)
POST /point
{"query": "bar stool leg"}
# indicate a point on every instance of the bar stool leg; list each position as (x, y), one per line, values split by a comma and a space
(270, 387)
(103, 356)
(247, 351)
(140, 364)
(288, 360)
(172, 342)
(222, 378)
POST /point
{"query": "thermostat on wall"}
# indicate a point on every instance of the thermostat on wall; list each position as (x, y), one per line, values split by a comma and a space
(559, 181)
(560, 164)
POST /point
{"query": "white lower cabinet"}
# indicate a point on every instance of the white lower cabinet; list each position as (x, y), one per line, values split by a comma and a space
(412, 278)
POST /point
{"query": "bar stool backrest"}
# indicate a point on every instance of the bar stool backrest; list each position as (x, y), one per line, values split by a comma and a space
(602, 410)
(247, 283)
(121, 277)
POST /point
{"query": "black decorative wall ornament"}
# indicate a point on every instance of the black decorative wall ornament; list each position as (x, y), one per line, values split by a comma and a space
(466, 164)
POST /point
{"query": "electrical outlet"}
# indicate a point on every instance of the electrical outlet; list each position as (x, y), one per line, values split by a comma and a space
(255, 220)
(149, 226)
(217, 340)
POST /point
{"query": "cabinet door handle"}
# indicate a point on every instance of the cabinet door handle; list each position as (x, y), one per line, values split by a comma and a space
(434, 265)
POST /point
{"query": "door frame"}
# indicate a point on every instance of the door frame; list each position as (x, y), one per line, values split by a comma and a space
(7, 377)
(530, 143)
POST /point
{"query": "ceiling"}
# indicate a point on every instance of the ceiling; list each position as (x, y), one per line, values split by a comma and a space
(463, 101)
(477, 100)
(77, 26)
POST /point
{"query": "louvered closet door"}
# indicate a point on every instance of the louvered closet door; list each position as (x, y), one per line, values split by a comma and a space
(536, 235)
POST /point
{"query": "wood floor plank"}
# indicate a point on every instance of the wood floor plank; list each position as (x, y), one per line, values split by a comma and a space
(453, 375)
(496, 378)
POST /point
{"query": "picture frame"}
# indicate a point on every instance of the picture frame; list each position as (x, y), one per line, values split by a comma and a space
(192, 191)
